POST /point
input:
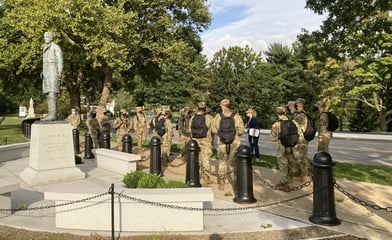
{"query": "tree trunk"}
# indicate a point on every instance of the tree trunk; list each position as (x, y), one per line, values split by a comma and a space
(73, 86)
(105, 93)
(383, 120)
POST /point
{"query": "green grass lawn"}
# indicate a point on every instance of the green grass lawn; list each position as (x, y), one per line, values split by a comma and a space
(10, 129)
(350, 171)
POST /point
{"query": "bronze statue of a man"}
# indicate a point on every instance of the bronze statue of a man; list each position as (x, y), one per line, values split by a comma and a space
(51, 74)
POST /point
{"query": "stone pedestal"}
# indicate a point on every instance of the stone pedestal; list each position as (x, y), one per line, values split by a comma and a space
(52, 157)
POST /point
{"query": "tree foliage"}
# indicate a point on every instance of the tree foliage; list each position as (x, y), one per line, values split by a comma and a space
(122, 36)
(359, 31)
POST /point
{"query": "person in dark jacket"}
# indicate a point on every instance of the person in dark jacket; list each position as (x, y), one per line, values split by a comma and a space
(253, 133)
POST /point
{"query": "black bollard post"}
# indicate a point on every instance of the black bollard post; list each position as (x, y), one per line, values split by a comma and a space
(155, 156)
(106, 140)
(127, 143)
(192, 164)
(323, 191)
(244, 181)
(88, 143)
(75, 134)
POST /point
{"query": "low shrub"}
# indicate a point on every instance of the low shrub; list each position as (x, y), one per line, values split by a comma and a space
(149, 181)
(131, 179)
(140, 179)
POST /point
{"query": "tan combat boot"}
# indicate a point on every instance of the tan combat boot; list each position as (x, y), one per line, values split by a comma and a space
(284, 186)
(207, 181)
(221, 183)
(305, 179)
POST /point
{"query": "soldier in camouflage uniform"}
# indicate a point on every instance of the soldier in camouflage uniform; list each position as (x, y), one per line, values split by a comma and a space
(293, 165)
(123, 126)
(301, 149)
(284, 154)
(74, 119)
(205, 145)
(227, 163)
(324, 136)
(292, 106)
(104, 127)
(141, 127)
(167, 138)
(183, 130)
(93, 128)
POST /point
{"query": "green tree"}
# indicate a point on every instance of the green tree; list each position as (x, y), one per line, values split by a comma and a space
(233, 76)
(111, 37)
(360, 31)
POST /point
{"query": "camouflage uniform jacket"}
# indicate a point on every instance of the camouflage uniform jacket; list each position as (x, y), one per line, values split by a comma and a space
(183, 125)
(74, 120)
(238, 123)
(105, 124)
(93, 125)
(140, 123)
(302, 121)
(123, 125)
(322, 126)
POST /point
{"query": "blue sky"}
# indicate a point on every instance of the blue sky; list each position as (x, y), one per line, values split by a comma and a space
(257, 23)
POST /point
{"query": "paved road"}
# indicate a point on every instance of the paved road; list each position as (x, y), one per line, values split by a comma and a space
(365, 151)
(369, 149)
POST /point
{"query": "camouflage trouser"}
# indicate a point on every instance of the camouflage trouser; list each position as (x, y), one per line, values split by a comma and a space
(95, 139)
(205, 153)
(301, 159)
(227, 163)
(165, 147)
(282, 156)
(323, 145)
(183, 142)
(141, 140)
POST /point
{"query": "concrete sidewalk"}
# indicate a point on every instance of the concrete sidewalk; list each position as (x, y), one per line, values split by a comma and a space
(277, 221)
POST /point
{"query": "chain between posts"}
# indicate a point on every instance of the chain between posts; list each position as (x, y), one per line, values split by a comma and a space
(56, 205)
(360, 201)
(273, 187)
(165, 205)
(158, 204)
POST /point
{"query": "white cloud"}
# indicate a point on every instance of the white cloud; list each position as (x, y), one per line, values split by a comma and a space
(263, 22)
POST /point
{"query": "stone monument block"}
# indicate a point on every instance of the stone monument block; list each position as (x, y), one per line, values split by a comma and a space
(52, 157)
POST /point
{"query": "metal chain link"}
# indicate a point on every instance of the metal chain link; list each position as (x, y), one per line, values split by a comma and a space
(164, 205)
(360, 201)
(54, 205)
(274, 187)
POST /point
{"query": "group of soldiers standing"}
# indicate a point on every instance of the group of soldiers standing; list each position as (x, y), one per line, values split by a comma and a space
(293, 161)
(123, 125)
(226, 151)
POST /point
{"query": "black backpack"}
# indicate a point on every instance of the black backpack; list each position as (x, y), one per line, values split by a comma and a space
(160, 126)
(198, 126)
(333, 122)
(226, 130)
(310, 131)
(288, 134)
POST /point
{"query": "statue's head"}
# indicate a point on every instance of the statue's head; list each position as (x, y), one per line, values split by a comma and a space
(48, 37)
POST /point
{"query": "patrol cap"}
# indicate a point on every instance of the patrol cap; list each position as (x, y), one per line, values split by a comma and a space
(186, 108)
(320, 104)
(137, 109)
(123, 110)
(225, 102)
(292, 103)
(280, 110)
(201, 105)
(300, 100)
